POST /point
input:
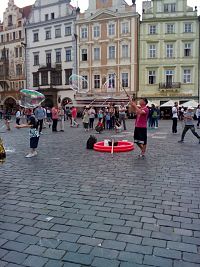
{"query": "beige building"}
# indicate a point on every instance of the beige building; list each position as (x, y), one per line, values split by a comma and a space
(12, 54)
(107, 48)
(169, 51)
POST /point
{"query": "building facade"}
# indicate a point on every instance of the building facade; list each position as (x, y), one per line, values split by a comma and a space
(169, 51)
(12, 54)
(51, 49)
(107, 37)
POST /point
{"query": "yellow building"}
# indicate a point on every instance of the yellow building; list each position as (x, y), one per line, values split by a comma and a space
(169, 51)
(107, 47)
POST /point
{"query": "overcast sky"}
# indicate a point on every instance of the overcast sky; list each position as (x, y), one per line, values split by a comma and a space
(83, 4)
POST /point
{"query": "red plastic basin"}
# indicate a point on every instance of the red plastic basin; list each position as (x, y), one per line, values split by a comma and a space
(123, 146)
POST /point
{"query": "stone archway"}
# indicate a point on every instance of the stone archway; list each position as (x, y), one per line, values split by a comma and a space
(10, 104)
(48, 102)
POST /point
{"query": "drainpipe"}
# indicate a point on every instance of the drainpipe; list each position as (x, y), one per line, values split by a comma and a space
(199, 63)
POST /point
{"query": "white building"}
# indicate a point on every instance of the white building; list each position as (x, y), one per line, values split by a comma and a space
(51, 49)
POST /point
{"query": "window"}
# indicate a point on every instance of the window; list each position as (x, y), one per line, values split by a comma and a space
(20, 35)
(84, 33)
(36, 59)
(111, 80)
(187, 76)
(125, 52)
(18, 69)
(112, 52)
(68, 31)
(188, 27)
(1, 38)
(84, 54)
(169, 76)
(44, 78)
(58, 56)
(46, 17)
(169, 50)
(124, 79)
(152, 76)
(35, 37)
(56, 77)
(20, 52)
(52, 15)
(168, 8)
(96, 53)
(111, 29)
(152, 51)
(48, 34)
(84, 82)
(35, 79)
(14, 36)
(96, 81)
(58, 32)
(170, 28)
(68, 54)
(152, 29)
(7, 37)
(48, 58)
(96, 30)
(16, 52)
(10, 22)
(187, 49)
(125, 28)
(68, 73)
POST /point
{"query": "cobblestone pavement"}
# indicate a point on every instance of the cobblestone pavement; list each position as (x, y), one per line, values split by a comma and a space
(72, 207)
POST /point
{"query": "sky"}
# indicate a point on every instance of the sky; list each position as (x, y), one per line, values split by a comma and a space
(83, 4)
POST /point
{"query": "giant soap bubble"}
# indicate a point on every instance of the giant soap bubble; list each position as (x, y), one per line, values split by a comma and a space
(79, 84)
(31, 98)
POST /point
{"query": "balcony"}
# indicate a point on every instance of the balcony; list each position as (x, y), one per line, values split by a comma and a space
(169, 86)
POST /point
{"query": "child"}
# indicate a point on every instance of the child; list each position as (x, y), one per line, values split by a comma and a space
(34, 135)
(99, 127)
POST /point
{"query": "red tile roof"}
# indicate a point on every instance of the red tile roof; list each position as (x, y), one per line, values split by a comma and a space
(26, 11)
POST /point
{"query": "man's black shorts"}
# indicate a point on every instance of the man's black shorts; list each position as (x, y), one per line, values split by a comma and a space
(140, 136)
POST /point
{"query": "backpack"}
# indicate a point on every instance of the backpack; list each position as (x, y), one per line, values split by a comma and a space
(91, 141)
(154, 114)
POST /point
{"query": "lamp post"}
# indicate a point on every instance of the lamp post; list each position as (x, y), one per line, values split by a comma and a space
(25, 67)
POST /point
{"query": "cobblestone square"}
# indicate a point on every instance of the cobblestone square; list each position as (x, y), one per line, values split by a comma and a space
(73, 207)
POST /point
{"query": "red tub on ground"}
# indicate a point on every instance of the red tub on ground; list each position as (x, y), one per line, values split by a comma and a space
(122, 146)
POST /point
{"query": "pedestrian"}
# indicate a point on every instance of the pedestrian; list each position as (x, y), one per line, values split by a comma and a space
(67, 112)
(91, 117)
(154, 117)
(54, 118)
(174, 117)
(49, 117)
(189, 124)
(34, 135)
(74, 117)
(107, 120)
(18, 116)
(112, 116)
(7, 118)
(61, 119)
(122, 115)
(40, 115)
(86, 119)
(198, 116)
(140, 133)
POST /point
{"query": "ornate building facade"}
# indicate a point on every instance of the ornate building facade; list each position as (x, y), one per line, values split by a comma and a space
(51, 49)
(12, 54)
(107, 36)
(169, 51)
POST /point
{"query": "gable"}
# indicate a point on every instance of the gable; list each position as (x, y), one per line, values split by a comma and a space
(103, 15)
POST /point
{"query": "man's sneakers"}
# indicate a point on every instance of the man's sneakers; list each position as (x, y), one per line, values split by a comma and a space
(181, 141)
(30, 155)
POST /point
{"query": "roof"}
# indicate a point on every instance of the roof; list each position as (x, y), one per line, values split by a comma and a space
(26, 11)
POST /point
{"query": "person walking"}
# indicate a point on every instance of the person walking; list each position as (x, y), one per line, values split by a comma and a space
(74, 117)
(18, 116)
(140, 133)
(86, 119)
(40, 115)
(174, 117)
(122, 115)
(189, 124)
(61, 119)
(198, 116)
(54, 112)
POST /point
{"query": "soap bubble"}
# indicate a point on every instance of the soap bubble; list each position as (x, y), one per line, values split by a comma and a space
(79, 84)
(31, 98)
